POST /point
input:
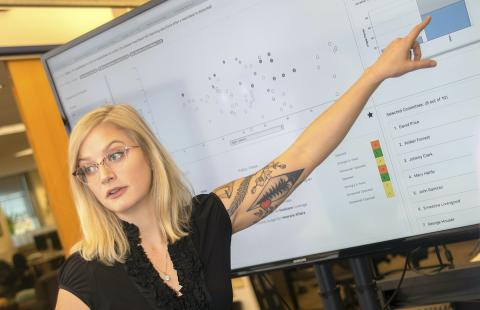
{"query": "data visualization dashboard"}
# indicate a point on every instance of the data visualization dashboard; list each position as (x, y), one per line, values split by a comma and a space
(228, 85)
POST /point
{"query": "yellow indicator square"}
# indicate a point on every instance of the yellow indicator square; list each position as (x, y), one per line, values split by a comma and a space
(380, 161)
(388, 186)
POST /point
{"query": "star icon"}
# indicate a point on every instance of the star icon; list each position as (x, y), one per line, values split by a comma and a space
(370, 114)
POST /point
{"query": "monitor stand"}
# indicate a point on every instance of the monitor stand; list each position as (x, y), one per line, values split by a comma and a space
(328, 287)
(364, 284)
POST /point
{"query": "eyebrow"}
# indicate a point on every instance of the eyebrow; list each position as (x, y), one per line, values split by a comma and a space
(104, 149)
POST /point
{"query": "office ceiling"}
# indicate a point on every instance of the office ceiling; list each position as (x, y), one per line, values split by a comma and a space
(74, 3)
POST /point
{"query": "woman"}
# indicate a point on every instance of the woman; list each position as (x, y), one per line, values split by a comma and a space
(147, 244)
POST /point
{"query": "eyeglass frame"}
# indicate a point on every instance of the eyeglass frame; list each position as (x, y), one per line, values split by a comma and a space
(76, 173)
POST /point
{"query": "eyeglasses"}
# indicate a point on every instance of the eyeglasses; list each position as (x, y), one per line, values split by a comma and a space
(89, 172)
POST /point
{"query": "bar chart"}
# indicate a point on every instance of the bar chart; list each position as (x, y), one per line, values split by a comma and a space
(455, 23)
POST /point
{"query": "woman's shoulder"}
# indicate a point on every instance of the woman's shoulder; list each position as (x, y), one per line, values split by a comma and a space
(210, 219)
(76, 264)
(76, 276)
(208, 207)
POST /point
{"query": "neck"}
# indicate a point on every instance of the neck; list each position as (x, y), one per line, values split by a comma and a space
(143, 216)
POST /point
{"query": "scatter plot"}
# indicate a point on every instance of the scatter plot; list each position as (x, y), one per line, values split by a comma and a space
(232, 98)
(238, 86)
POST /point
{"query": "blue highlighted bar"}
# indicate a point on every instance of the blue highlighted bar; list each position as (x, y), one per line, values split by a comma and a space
(448, 19)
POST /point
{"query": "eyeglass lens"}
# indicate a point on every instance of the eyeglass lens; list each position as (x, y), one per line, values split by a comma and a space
(90, 172)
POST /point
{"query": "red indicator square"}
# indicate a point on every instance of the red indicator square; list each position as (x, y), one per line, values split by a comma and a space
(375, 144)
(382, 169)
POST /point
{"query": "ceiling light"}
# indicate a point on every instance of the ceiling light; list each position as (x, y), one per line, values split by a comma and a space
(11, 129)
(25, 152)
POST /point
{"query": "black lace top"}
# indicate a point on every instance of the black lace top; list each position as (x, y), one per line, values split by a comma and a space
(202, 261)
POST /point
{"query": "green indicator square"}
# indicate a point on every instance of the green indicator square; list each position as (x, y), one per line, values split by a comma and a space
(385, 177)
(377, 153)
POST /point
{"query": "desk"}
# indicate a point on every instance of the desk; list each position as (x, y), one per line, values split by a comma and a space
(42, 262)
(461, 284)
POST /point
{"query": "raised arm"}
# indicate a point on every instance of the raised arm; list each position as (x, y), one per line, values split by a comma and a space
(250, 199)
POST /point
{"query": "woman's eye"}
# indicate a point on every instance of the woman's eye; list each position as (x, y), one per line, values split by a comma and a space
(116, 156)
(89, 169)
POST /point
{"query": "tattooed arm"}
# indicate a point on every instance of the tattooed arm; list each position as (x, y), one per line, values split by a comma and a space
(250, 199)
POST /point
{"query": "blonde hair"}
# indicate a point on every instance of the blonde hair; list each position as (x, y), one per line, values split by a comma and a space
(169, 190)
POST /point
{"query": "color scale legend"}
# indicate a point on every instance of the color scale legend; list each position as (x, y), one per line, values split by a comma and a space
(382, 168)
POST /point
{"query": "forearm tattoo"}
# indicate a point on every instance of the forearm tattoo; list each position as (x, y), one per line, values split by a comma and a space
(266, 173)
(240, 195)
(226, 191)
(274, 191)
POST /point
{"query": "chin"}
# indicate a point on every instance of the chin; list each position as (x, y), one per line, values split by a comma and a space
(119, 207)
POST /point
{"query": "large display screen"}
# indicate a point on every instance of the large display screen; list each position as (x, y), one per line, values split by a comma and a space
(228, 85)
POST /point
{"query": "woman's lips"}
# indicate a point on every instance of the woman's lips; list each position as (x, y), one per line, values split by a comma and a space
(119, 192)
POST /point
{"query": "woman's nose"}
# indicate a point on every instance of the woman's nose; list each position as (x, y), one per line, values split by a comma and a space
(106, 174)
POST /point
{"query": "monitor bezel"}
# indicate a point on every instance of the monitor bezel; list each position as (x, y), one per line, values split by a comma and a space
(458, 234)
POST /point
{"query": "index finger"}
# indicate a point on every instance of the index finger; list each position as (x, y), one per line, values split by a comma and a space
(415, 32)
